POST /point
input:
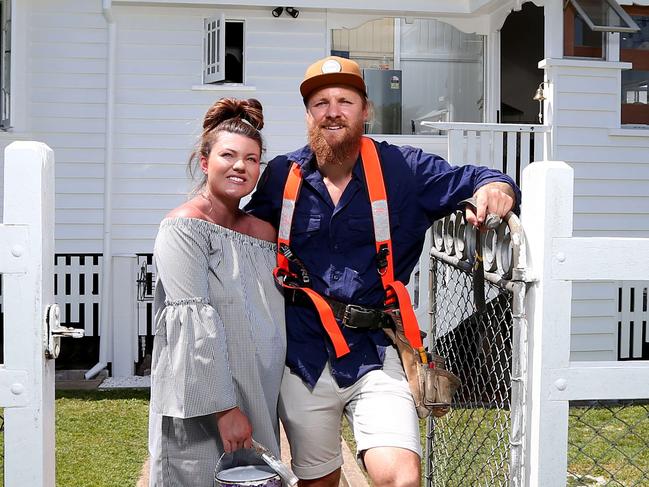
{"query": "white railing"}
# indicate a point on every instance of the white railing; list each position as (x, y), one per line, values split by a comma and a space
(557, 259)
(26, 262)
(510, 148)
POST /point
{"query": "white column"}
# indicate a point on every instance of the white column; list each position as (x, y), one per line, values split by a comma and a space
(547, 214)
(29, 429)
(492, 77)
(553, 31)
(124, 316)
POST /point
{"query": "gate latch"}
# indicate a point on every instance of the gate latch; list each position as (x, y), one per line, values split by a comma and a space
(54, 331)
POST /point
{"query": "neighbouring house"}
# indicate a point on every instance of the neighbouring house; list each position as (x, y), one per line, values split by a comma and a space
(118, 90)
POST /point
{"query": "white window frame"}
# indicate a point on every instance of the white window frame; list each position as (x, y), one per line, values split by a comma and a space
(214, 49)
(5, 72)
(615, 9)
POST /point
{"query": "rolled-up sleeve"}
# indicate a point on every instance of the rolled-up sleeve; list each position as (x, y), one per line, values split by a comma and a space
(441, 187)
(190, 367)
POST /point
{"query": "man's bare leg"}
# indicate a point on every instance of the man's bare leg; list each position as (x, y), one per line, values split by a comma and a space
(393, 467)
(329, 480)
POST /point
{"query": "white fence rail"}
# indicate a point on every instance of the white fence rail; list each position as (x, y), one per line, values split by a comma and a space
(510, 148)
(557, 259)
(26, 262)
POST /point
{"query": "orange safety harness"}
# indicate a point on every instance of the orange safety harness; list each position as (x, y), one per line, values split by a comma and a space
(396, 292)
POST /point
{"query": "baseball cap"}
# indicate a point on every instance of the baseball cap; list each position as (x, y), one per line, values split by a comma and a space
(332, 70)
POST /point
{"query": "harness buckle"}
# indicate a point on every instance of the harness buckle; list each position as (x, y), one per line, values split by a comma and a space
(382, 259)
(359, 317)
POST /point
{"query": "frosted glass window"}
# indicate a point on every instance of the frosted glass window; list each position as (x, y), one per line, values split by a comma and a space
(438, 69)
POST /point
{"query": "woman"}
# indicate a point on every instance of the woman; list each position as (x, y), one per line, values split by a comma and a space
(219, 348)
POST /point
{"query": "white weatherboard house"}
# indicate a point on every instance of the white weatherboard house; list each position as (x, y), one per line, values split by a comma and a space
(118, 89)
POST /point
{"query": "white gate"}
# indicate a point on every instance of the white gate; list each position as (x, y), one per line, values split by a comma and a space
(26, 262)
(557, 259)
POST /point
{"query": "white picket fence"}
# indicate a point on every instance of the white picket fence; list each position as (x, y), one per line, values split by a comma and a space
(26, 263)
(557, 259)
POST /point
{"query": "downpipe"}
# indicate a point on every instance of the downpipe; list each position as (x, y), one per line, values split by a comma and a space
(105, 329)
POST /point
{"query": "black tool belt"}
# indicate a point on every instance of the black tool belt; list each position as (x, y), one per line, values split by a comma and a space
(349, 315)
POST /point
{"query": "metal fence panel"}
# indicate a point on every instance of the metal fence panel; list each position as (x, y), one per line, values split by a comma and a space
(470, 445)
(478, 325)
(608, 443)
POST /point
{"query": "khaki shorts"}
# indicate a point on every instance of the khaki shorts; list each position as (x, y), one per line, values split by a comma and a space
(379, 407)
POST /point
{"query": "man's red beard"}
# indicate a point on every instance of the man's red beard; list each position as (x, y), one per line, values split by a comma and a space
(338, 151)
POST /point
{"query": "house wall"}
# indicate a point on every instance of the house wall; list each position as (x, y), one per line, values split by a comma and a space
(159, 105)
(160, 101)
(66, 108)
(611, 168)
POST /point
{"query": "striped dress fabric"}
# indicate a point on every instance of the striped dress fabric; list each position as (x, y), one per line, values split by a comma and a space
(220, 342)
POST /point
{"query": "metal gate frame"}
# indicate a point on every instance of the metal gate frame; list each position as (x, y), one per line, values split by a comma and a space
(505, 268)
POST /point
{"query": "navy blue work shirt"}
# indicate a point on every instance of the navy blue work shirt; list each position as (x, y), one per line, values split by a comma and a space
(336, 243)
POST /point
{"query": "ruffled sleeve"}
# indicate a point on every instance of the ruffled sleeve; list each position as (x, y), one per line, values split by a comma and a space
(190, 370)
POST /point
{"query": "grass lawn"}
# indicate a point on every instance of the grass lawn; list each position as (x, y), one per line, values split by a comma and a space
(101, 440)
(608, 435)
(101, 437)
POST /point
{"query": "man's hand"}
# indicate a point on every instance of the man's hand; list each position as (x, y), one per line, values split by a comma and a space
(495, 198)
(235, 429)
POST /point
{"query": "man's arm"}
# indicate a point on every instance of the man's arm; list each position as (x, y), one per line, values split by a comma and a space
(441, 188)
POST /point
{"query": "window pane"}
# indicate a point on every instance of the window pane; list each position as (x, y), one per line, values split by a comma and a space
(634, 86)
(602, 14)
(586, 37)
(637, 40)
(442, 73)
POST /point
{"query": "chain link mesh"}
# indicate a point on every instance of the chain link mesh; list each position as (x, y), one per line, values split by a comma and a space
(608, 444)
(471, 444)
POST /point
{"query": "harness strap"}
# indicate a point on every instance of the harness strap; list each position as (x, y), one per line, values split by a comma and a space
(282, 272)
(396, 292)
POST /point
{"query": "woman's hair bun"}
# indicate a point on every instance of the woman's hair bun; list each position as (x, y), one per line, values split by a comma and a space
(231, 108)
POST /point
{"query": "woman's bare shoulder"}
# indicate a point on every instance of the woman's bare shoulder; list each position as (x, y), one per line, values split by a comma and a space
(187, 210)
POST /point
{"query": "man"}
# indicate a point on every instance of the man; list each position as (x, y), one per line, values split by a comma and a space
(332, 236)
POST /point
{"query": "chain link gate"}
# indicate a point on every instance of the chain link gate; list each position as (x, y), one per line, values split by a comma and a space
(479, 327)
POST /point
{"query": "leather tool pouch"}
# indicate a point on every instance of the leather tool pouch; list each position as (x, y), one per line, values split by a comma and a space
(431, 385)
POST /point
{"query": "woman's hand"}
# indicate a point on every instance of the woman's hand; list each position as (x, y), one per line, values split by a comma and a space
(235, 429)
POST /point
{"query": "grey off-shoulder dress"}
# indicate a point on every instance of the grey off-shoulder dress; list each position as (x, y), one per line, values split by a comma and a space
(220, 342)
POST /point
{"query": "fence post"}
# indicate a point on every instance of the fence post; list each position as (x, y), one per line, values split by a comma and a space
(125, 337)
(546, 214)
(29, 428)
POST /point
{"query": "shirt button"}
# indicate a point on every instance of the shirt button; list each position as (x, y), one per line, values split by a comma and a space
(335, 276)
(336, 247)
